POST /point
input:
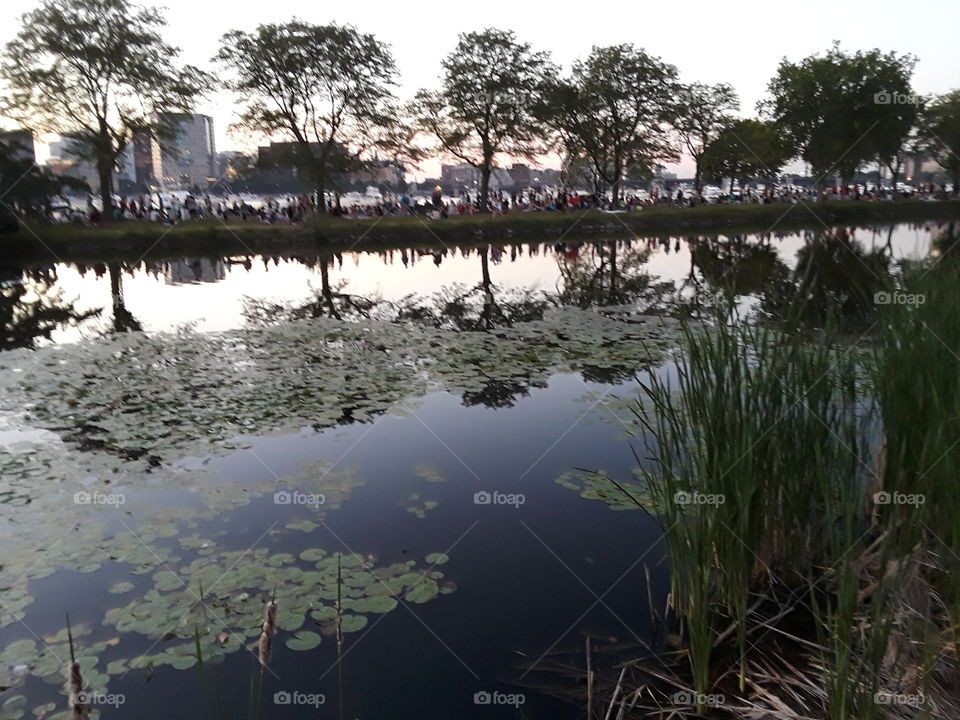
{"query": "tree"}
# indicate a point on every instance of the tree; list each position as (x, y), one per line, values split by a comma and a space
(747, 148)
(940, 130)
(483, 109)
(326, 88)
(841, 110)
(97, 70)
(702, 113)
(614, 109)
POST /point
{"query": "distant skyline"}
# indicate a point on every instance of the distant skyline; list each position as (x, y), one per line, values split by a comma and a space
(709, 42)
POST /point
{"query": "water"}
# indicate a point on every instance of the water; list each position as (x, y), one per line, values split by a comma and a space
(402, 448)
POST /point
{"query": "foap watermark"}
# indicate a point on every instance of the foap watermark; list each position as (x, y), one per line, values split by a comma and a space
(498, 498)
(286, 697)
(686, 697)
(295, 497)
(517, 99)
(898, 498)
(914, 700)
(485, 697)
(899, 298)
(95, 697)
(95, 497)
(897, 98)
(693, 497)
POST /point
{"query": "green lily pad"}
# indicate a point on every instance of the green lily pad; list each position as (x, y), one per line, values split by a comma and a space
(303, 640)
(352, 623)
(423, 591)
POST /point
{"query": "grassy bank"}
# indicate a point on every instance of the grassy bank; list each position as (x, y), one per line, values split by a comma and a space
(138, 239)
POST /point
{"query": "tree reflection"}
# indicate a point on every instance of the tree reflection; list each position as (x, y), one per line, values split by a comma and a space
(606, 273)
(835, 279)
(123, 319)
(31, 311)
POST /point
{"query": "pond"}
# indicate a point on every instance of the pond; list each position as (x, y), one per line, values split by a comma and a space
(393, 446)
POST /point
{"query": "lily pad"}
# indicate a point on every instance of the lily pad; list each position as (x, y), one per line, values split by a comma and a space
(303, 640)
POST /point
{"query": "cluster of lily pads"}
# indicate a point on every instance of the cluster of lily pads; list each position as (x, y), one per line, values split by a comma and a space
(135, 417)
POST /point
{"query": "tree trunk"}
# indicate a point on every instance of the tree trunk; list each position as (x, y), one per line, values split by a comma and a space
(956, 181)
(483, 202)
(614, 299)
(615, 191)
(696, 176)
(106, 191)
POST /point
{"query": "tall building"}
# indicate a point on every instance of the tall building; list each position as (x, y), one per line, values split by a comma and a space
(147, 162)
(19, 143)
(190, 158)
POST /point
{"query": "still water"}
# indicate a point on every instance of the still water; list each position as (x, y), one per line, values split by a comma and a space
(388, 440)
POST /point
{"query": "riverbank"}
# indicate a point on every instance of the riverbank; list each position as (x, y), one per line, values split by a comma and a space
(37, 242)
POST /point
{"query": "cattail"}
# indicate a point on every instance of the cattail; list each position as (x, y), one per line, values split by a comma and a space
(78, 705)
(269, 630)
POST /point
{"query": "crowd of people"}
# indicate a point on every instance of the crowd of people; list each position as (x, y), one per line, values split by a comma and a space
(289, 209)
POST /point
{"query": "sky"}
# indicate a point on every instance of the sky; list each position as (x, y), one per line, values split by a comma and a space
(740, 43)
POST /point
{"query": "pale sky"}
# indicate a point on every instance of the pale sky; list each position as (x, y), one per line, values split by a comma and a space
(709, 41)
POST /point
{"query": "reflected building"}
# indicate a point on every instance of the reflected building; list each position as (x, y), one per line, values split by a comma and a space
(195, 270)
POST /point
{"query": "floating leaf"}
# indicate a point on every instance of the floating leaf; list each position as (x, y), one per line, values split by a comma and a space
(303, 640)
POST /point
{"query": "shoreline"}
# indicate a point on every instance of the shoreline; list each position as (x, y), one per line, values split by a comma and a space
(135, 239)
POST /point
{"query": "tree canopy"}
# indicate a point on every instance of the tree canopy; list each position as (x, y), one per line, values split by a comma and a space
(702, 113)
(940, 132)
(746, 148)
(484, 107)
(614, 109)
(841, 110)
(325, 88)
(97, 70)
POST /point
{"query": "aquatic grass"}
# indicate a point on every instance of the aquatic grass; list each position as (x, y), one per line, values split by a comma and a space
(793, 460)
(744, 453)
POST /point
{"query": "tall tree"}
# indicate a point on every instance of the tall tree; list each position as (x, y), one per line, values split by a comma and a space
(746, 149)
(841, 110)
(325, 88)
(484, 107)
(97, 70)
(702, 113)
(614, 108)
(940, 130)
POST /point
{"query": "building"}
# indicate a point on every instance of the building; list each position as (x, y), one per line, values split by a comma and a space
(65, 159)
(382, 173)
(20, 144)
(457, 177)
(520, 175)
(189, 159)
(147, 160)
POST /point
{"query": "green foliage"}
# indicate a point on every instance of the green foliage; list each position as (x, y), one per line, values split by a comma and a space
(98, 70)
(614, 110)
(702, 113)
(484, 108)
(940, 131)
(325, 88)
(840, 110)
(745, 149)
